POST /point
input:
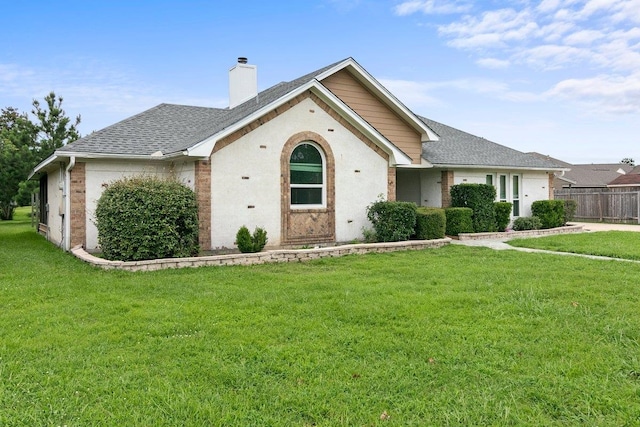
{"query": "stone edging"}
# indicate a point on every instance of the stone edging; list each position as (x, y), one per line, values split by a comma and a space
(526, 233)
(281, 255)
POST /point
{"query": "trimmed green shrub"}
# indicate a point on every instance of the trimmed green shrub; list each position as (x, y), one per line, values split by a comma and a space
(570, 207)
(248, 243)
(431, 223)
(459, 220)
(392, 221)
(550, 212)
(480, 198)
(147, 218)
(527, 223)
(503, 214)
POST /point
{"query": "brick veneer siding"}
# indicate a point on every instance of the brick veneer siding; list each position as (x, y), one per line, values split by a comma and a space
(203, 194)
(446, 183)
(78, 205)
(391, 184)
(307, 225)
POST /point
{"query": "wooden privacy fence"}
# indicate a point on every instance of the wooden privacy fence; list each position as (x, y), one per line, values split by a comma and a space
(605, 205)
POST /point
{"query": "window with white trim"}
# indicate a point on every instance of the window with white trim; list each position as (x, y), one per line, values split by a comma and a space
(307, 176)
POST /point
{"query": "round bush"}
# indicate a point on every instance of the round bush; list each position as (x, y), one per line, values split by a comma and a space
(147, 218)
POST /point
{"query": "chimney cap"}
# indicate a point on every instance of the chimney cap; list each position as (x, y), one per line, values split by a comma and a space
(242, 60)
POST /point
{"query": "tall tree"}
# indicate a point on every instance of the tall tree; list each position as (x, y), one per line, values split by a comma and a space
(17, 156)
(55, 129)
(629, 161)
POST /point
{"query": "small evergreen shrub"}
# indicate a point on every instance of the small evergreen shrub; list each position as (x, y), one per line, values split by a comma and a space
(503, 215)
(458, 221)
(570, 207)
(250, 243)
(527, 223)
(392, 221)
(147, 218)
(550, 212)
(431, 223)
(369, 235)
(480, 198)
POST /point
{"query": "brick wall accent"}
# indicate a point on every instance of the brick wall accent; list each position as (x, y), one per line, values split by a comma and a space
(550, 185)
(202, 186)
(446, 182)
(78, 205)
(391, 184)
(307, 225)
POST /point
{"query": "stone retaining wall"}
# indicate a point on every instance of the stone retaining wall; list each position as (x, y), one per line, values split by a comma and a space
(282, 255)
(526, 233)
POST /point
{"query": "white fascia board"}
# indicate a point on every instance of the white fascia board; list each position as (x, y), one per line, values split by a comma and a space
(371, 83)
(42, 165)
(493, 167)
(205, 147)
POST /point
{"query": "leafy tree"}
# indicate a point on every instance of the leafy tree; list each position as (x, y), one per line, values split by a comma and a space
(17, 156)
(23, 144)
(55, 129)
(629, 161)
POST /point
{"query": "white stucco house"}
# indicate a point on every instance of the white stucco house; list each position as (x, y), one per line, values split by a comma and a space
(302, 159)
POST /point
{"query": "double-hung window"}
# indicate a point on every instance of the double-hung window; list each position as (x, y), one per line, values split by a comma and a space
(307, 176)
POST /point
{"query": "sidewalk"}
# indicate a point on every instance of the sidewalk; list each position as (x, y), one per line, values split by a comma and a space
(501, 244)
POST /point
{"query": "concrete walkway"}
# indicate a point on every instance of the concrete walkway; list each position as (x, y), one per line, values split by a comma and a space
(501, 243)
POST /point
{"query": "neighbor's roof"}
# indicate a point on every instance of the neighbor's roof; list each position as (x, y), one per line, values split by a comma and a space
(596, 175)
(170, 128)
(458, 148)
(631, 179)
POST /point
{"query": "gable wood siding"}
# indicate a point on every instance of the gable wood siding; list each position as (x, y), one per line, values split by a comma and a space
(374, 111)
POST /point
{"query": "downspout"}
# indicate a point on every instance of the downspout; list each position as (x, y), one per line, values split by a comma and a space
(67, 203)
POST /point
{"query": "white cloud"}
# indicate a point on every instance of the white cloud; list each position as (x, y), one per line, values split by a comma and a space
(431, 7)
(493, 63)
(598, 40)
(613, 94)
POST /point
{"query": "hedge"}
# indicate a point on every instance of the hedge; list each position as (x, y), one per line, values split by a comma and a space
(480, 198)
(550, 212)
(459, 221)
(143, 218)
(431, 223)
(392, 221)
(503, 215)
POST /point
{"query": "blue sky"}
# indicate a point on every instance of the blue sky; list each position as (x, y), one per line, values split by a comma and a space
(560, 77)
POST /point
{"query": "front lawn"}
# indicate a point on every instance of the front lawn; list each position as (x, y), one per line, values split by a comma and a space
(450, 336)
(613, 244)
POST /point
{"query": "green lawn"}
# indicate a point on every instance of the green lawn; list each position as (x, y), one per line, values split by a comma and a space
(614, 244)
(451, 336)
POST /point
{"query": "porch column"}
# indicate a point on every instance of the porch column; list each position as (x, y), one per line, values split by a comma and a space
(202, 186)
(78, 206)
(391, 184)
(446, 182)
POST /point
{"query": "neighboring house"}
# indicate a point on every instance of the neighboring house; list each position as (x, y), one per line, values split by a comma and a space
(629, 181)
(586, 177)
(302, 159)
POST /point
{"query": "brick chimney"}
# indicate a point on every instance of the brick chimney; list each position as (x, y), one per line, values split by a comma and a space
(243, 82)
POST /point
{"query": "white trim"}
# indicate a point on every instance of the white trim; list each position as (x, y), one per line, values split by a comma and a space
(205, 147)
(492, 167)
(371, 83)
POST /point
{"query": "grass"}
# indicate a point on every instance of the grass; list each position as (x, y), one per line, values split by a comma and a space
(452, 336)
(613, 244)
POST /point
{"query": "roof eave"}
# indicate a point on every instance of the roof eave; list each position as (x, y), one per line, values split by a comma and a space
(495, 167)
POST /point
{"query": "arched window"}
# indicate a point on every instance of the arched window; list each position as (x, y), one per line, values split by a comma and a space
(307, 176)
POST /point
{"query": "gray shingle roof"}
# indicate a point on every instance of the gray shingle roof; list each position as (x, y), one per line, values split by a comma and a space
(459, 148)
(171, 128)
